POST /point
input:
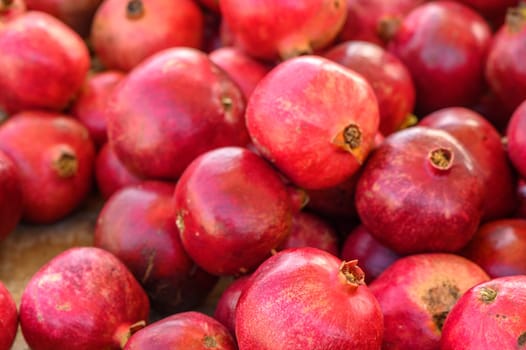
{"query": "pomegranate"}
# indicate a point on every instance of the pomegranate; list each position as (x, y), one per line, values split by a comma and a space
(10, 197)
(232, 209)
(285, 29)
(505, 71)
(10, 9)
(125, 32)
(8, 318)
(225, 310)
(420, 191)
(173, 107)
(243, 69)
(444, 45)
(91, 103)
(373, 256)
(314, 119)
(84, 298)
(499, 247)
(110, 174)
(416, 294)
(55, 157)
(46, 60)
(306, 298)
(137, 225)
(516, 138)
(186, 330)
(488, 316)
(484, 144)
(388, 76)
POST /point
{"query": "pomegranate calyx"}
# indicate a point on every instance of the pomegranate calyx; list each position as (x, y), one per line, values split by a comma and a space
(350, 139)
(66, 163)
(134, 9)
(5, 4)
(124, 333)
(441, 158)
(387, 28)
(409, 120)
(516, 18)
(487, 294)
(352, 274)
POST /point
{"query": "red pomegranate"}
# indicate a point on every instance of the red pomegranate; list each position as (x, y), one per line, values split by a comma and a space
(516, 139)
(225, 310)
(8, 318)
(11, 206)
(314, 119)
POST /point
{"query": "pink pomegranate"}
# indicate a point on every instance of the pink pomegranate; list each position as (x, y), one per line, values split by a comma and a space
(137, 225)
(10, 196)
(285, 29)
(10, 9)
(8, 318)
(388, 76)
(232, 209)
(314, 119)
(90, 106)
(125, 32)
(225, 310)
(110, 174)
(444, 46)
(495, 307)
(484, 143)
(46, 60)
(420, 191)
(186, 330)
(416, 294)
(306, 298)
(54, 156)
(516, 138)
(173, 107)
(84, 298)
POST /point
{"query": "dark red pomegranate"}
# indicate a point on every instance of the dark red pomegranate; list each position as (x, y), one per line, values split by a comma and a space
(373, 256)
(125, 32)
(110, 174)
(516, 139)
(10, 9)
(416, 294)
(488, 316)
(505, 70)
(85, 299)
(187, 330)
(484, 143)
(173, 107)
(91, 103)
(306, 298)
(8, 318)
(314, 119)
(420, 191)
(388, 76)
(46, 60)
(444, 46)
(10, 196)
(137, 225)
(232, 209)
(285, 29)
(54, 156)
(225, 310)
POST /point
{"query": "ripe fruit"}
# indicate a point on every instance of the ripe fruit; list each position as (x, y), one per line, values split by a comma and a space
(8, 318)
(516, 138)
(10, 196)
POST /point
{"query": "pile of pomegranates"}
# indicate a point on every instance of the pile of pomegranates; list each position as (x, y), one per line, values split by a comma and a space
(335, 174)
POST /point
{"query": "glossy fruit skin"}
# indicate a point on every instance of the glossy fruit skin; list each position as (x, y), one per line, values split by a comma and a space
(225, 310)
(173, 107)
(46, 60)
(505, 70)
(496, 307)
(232, 209)
(387, 75)
(411, 202)
(91, 103)
(299, 299)
(372, 256)
(186, 330)
(10, 196)
(498, 247)
(8, 318)
(314, 119)
(137, 225)
(55, 177)
(444, 45)
(80, 285)
(485, 145)
(285, 28)
(516, 138)
(417, 292)
(126, 32)
(110, 174)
